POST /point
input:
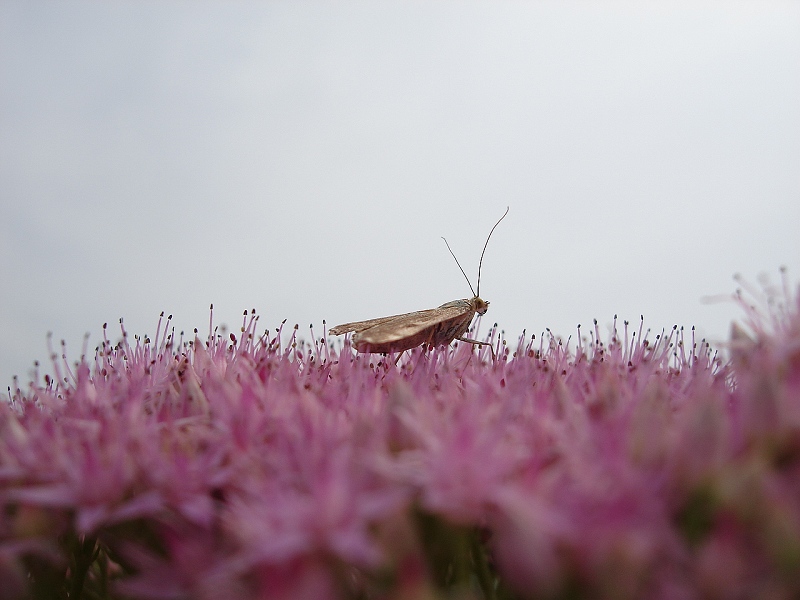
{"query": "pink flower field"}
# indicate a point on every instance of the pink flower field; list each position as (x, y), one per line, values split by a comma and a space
(636, 464)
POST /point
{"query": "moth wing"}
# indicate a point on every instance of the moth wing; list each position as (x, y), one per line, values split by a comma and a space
(362, 325)
(399, 327)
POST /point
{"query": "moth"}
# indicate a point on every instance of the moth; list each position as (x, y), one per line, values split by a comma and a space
(434, 327)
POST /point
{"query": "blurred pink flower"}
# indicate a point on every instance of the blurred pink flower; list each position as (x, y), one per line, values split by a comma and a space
(624, 466)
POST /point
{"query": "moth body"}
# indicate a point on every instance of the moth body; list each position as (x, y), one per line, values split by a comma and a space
(434, 327)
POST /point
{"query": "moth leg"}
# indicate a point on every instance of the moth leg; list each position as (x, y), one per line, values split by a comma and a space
(396, 360)
(477, 343)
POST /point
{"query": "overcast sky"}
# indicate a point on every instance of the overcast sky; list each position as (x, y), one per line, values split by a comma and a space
(304, 159)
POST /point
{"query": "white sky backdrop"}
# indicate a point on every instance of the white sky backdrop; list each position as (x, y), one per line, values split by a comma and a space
(304, 159)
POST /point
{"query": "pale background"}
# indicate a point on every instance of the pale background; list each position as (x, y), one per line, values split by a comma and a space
(304, 159)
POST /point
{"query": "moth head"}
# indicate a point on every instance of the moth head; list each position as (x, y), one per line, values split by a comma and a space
(481, 306)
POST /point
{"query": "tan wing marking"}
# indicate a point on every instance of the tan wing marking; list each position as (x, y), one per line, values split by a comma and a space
(361, 325)
(404, 326)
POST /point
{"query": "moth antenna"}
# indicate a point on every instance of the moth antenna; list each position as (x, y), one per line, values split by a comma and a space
(484, 251)
(469, 283)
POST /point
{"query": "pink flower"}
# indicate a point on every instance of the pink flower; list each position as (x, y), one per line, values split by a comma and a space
(623, 466)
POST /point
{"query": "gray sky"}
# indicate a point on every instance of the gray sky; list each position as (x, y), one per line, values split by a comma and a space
(304, 159)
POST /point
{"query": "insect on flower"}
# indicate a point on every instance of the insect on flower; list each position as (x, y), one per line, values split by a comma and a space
(434, 327)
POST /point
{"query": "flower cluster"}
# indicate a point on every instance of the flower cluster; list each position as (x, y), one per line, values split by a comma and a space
(639, 466)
